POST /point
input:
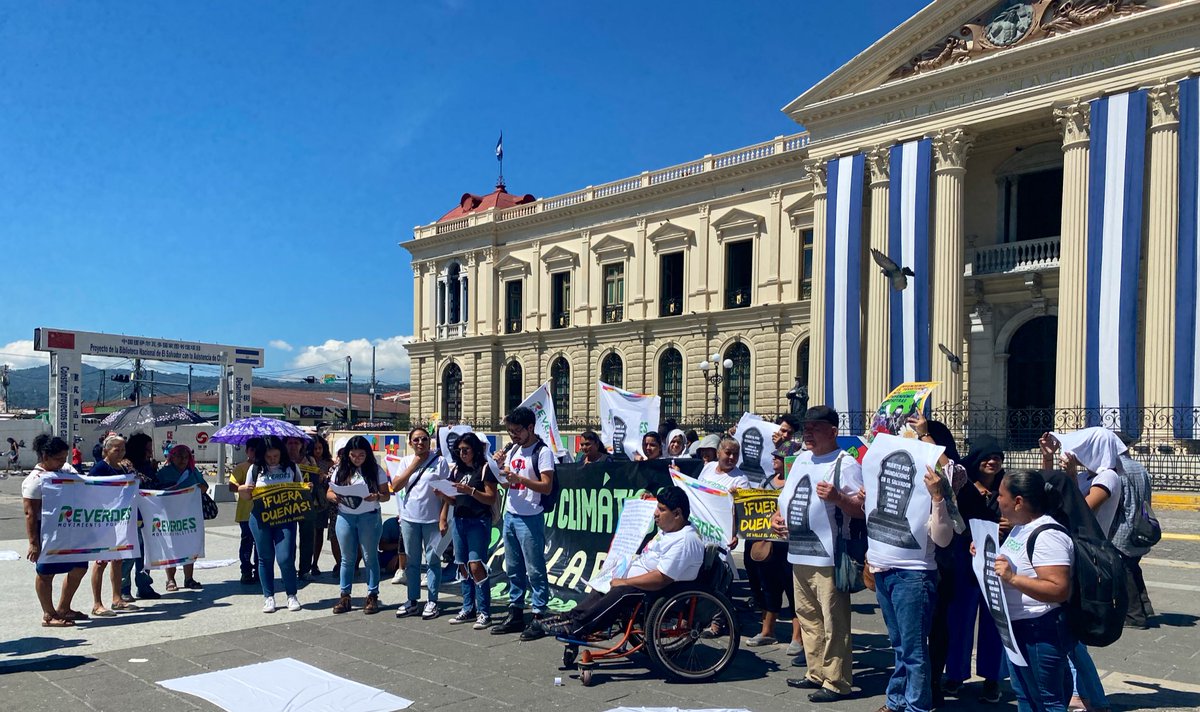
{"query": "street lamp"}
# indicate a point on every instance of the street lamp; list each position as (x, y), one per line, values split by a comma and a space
(714, 363)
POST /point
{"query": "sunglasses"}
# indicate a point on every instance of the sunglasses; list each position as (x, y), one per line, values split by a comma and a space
(420, 440)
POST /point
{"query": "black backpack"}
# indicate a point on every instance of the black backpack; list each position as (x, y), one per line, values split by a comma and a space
(1096, 608)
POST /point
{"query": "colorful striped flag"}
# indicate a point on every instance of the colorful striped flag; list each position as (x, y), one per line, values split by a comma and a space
(843, 296)
(908, 246)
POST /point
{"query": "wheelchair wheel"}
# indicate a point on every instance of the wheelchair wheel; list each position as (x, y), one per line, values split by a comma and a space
(673, 635)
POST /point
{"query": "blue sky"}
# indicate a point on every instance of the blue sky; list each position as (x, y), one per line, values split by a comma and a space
(241, 173)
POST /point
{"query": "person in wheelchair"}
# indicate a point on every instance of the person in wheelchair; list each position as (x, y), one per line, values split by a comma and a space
(674, 555)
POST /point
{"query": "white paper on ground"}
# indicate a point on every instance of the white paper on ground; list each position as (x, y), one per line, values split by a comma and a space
(215, 563)
(674, 709)
(285, 685)
(9, 555)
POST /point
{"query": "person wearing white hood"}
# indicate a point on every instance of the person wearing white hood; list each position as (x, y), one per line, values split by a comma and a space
(1092, 458)
(677, 444)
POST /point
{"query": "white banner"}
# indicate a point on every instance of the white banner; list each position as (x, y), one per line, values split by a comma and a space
(172, 527)
(637, 520)
(625, 417)
(546, 422)
(986, 536)
(448, 437)
(898, 503)
(88, 519)
(712, 509)
(810, 528)
(755, 436)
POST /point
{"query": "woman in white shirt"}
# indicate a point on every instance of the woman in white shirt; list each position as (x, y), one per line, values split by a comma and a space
(1037, 580)
(273, 542)
(52, 462)
(357, 486)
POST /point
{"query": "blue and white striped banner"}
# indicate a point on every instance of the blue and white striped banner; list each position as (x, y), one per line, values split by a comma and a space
(908, 246)
(1187, 325)
(1114, 241)
(843, 295)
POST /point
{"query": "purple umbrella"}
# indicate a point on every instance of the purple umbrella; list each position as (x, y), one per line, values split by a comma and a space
(239, 431)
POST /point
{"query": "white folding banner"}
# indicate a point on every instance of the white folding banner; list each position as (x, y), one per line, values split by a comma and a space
(448, 437)
(625, 417)
(712, 508)
(756, 437)
(87, 519)
(546, 423)
(986, 536)
(172, 527)
(898, 503)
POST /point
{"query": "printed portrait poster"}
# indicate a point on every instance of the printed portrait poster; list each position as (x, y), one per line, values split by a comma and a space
(810, 530)
(448, 438)
(755, 437)
(88, 519)
(625, 417)
(545, 422)
(986, 536)
(905, 400)
(897, 504)
(172, 527)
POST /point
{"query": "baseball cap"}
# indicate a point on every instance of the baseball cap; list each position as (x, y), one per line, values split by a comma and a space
(823, 414)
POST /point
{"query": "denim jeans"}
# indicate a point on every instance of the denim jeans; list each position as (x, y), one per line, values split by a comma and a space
(418, 544)
(246, 553)
(355, 531)
(1045, 685)
(471, 539)
(906, 601)
(275, 544)
(965, 613)
(525, 561)
(1085, 680)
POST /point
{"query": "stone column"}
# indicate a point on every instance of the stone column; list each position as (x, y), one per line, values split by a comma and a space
(418, 300)
(533, 299)
(772, 253)
(816, 342)
(1162, 245)
(700, 274)
(876, 344)
(950, 147)
(1072, 263)
(587, 293)
(639, 265)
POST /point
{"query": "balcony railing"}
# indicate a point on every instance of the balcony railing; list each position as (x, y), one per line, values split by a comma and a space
(560, 320)
(450, 331)
(613, 313)
(737, 298)
(671, 306)
(1015, 257)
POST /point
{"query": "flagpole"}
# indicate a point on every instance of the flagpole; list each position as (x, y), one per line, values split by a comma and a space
(500, 158)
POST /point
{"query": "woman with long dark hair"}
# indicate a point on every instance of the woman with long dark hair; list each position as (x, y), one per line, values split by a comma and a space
(318, 450)
(472, 530)
(357, 486)
(273, 542)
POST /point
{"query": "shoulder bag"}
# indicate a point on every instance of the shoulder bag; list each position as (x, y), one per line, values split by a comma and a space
(849, 554)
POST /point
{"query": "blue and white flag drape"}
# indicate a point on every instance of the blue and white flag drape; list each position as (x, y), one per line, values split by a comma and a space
(908, 246)
(1187, 326)
(1114, 239)
(843, 297)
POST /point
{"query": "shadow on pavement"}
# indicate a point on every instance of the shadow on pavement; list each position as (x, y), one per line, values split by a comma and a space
(1162, 698)
(38, 644)
(1175, 620)
(47, 664)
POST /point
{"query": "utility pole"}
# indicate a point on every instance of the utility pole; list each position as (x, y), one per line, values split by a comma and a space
(372, 389)
(152, 387)
(4, 385)
(189, 405)
(137, 381)
(349, 404)
(103, 378)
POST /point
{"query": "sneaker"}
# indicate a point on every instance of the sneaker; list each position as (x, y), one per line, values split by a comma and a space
(269, 604)
(534, 630)
(514, 622)
(794, 649)
(343, 605)
(463, 616)
(482, 621)
(148, 594)
(991, 692)
(127, 597)
(431, 611)
(800, 661)
(406, 609)
(399, 578)
(293, 603)
(759, 641)
(952, 687)
(371, 607)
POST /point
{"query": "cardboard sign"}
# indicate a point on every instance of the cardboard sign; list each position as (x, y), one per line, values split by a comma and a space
(753, 509)
(756, 438)
(275, 505)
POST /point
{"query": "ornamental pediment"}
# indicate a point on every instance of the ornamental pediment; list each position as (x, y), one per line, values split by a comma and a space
(558, 258)
(738, 223)
(670, 236)
(511, 267)
(610, 247)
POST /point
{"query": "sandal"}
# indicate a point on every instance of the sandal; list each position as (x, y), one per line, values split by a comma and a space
(192, 584)
(55, 622)
(73, 615)
(172, 587)
(123, 606)
(102, 612)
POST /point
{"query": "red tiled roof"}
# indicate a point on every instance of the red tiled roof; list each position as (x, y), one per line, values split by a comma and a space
(498, 198)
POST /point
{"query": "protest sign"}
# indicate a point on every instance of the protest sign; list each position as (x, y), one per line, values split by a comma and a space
(756, 437)
(905, 400)
(986, 536)
(898, 503)
(172, 527)
(753, 509)
(85, 519)
(810, 527)
(637, 519)
(712, 508)
(448, 437)
(545, 422)
(625, 417)
(282, 503)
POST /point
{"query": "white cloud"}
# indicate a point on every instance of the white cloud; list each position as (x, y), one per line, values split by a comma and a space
(279, 344)
(20, 354)
(391, 358)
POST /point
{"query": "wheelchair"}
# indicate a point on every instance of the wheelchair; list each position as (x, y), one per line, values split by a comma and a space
(688, 630)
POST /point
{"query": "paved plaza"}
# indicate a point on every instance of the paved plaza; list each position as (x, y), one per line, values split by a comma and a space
(114, 664)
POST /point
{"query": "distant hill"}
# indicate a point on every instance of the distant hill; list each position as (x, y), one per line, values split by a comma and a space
(30, 387)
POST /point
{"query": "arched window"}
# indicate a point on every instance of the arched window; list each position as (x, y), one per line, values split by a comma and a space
(452, 301)
(802, 363)
(452, 388)
(670, 383)
(737, 381)
(560, 388)
(612, 370)
(514, 386)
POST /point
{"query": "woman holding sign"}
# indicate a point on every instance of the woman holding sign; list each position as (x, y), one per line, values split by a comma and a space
(180, 473)
(273, 541)
(357, 487)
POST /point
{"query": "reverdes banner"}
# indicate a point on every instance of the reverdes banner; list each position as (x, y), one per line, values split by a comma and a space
(172, 527)
(282, 503)
(88, 520)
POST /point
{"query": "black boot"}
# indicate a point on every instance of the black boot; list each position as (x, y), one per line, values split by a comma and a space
(514, 622)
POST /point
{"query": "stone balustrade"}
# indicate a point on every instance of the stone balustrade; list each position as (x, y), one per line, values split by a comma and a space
(1014, 257)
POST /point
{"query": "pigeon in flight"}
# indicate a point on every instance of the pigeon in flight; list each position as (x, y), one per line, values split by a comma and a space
(891, 270)
(955, 361)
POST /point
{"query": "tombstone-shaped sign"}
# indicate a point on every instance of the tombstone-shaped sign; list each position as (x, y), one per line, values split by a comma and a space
(618, 444)
(889, 522)
(752, 447)
(802, 540)
(995, 596)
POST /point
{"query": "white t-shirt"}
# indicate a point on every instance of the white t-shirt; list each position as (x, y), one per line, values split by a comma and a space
(352, 496)
(31, 486)
(678, 555)
(735, 478)
(851, 480)
(421, 503)
(1052, 548)
(273, 475)
(1111, 481)
(523, 501)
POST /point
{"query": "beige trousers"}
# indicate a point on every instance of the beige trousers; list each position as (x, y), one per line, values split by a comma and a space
(824, 614)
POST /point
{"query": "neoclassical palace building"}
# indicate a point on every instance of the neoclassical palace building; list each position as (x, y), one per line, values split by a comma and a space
(998, 196)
